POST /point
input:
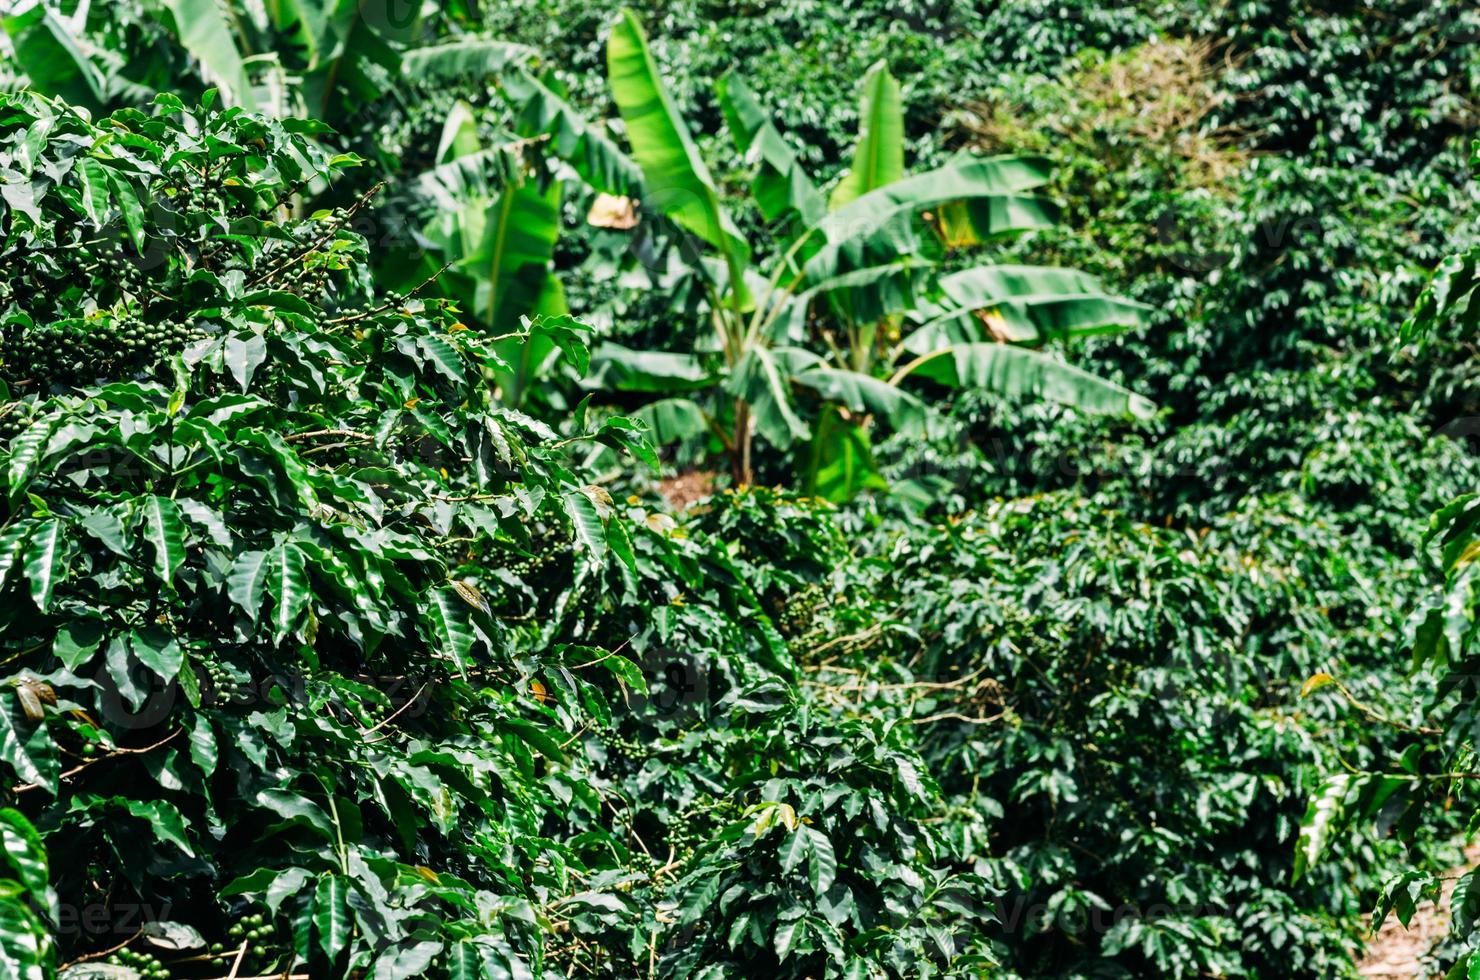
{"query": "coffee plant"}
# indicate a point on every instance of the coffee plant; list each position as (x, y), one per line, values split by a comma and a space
(545, 490)
(242, 578)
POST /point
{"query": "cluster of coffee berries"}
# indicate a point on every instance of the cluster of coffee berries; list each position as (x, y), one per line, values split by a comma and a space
(255, 930)
(78, 352)
(144, 964)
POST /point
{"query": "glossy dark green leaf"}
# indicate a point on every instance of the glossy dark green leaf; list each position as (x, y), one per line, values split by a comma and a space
(288, 587)
(165, 819)
(77, 642)
(24, 850)
(331, 916)
(450, 627)
(26, 745)
(158, 651)
(45, 561)
(164, 532)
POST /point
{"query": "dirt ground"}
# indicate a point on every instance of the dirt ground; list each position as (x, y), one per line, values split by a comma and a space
(1396, 953)
(687, 488)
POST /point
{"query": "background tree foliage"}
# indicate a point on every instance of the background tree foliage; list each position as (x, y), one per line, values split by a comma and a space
(349, 352)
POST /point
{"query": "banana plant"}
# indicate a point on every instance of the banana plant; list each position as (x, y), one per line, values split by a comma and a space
(493, 217)
(813, 345)
(492, 227)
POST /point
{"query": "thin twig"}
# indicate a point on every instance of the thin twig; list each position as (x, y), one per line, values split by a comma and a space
(394, 301)
(236, 964)
(313, 246)
(395, 714)
(910, 686)
(103, 952)
(956, 716)
(342, 433)
(1373, 715)
(601, 660)
(838, 641)
(27, 787)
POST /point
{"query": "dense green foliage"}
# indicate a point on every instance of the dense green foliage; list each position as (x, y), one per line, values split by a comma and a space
(359, 364)
(283, 519)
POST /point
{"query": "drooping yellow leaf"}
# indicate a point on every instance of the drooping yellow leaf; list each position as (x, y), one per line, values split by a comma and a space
(1315, 682)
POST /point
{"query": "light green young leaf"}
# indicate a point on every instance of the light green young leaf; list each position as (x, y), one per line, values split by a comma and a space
(676, 181)
(878, 156)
